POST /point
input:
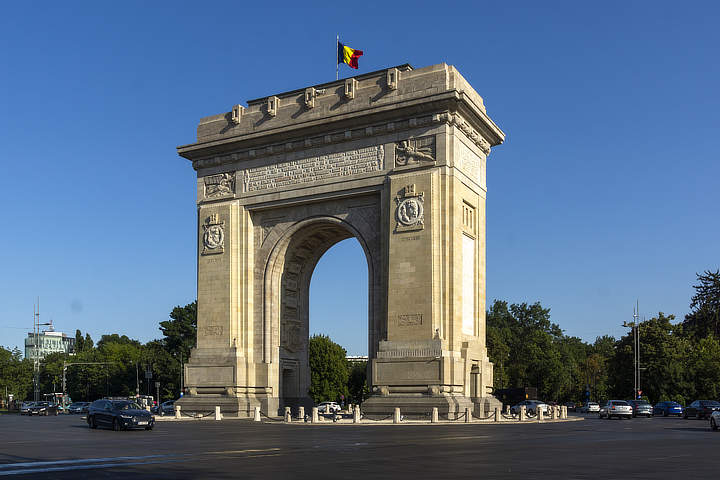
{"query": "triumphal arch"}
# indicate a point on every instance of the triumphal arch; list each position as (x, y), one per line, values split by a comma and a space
(394, 158)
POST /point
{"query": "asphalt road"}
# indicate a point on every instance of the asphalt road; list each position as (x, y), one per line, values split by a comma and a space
(64, 447)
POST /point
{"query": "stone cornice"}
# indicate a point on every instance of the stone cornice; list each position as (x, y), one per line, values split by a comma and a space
(336, 137)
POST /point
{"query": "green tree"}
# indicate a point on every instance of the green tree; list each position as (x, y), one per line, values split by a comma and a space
(16, 374)
(357, 382)
(79, 341)
(329, 371)
(180, 332)
(704, 316)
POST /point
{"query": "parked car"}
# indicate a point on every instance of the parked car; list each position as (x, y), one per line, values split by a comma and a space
(616, 408)
(531, 407)
(668, 408)
(43, 408)
(715, 420)
(701, 409)
(78, 407)
(119, 415)
(164, 408)
(571, 406)
(328, 407)
(590, 407)
(641, 407)
(25, 408)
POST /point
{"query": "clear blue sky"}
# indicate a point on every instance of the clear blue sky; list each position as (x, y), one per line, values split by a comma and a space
(606, 190)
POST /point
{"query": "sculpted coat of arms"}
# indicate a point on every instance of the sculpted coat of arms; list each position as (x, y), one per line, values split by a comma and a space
(410, 213)
(213, 235)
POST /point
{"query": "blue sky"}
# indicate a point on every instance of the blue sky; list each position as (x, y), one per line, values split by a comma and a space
(605, 191)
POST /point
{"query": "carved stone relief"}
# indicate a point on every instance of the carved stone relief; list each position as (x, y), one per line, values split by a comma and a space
(214, 235)
(410, 212)
(219, 185)
(415, 151)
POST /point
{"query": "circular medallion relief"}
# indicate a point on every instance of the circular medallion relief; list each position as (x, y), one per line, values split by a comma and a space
(214, 236)
(410, 212)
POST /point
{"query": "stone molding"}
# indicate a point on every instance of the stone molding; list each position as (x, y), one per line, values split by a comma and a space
(342, 136)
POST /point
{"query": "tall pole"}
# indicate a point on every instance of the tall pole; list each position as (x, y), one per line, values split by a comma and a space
(137, 380)
(636, 346)
(337, 62)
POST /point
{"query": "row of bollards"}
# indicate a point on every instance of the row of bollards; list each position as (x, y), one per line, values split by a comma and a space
(556, 412)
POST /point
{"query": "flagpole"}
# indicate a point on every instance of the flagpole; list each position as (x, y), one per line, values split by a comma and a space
(337, 64)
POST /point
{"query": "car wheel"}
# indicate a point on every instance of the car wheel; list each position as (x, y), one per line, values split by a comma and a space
(149, 427)
(116, 425)
(91, 422)
(699, 416)
(685, 416)
(665, 414)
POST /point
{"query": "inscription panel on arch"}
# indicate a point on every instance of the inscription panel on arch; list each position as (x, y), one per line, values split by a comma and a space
(314, 169)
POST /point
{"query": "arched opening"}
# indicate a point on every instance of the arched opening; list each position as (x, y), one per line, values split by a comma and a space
(291, 272)
(339, 297)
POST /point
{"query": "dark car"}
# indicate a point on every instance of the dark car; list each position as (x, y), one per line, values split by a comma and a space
(119, 415)
(701, 409)
(78, 407)
(641, 408)
(43, 408)
(668, 408)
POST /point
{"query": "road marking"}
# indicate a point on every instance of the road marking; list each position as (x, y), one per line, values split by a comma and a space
(77, 461)
(249, 450)
(24, 471)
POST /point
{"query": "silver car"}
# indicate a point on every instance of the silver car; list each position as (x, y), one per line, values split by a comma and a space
(616, 408)
(715, 420)
(590, 407)
(531, 407)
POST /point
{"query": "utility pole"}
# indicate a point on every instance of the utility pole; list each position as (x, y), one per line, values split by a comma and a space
(635, 329)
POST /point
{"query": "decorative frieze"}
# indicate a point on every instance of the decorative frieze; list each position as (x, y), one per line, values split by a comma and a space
(314, 169)
(458, 121)
(409, 319)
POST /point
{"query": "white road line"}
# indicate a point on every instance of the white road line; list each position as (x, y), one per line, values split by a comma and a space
(25, 471)
(78, 461)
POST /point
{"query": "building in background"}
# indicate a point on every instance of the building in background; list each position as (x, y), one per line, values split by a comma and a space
(47, 342)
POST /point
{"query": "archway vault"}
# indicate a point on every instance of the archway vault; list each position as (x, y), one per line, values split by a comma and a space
(394, 158)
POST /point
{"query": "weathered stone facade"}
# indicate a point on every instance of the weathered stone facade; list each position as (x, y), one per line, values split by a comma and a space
(393, 158)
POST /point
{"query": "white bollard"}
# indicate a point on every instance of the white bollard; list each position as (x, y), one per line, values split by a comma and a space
(497, 414)
(396, 415)
(288, 415)
(315, 417)
(565, 410)
(218, 415)
(434, 418)
(539, 413)
(301, 413)
(468, 415)
(356, 414)
(553, 413)
(256, 416)
(521, 416)
(177, 411)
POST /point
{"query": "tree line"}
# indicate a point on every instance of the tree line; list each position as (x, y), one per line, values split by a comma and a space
(679, 361)
(114, 366)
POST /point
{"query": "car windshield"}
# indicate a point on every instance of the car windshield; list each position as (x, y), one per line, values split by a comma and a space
(126, 406)
(710, 403)
(641, 402)
(42, 404)
(619, 402)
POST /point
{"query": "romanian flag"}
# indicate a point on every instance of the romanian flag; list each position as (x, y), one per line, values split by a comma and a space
(348, 55)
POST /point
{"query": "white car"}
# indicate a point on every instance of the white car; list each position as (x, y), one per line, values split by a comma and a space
(715, 420)
(590, 407)
(328, 407)
(616, 408)
(531, 407)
